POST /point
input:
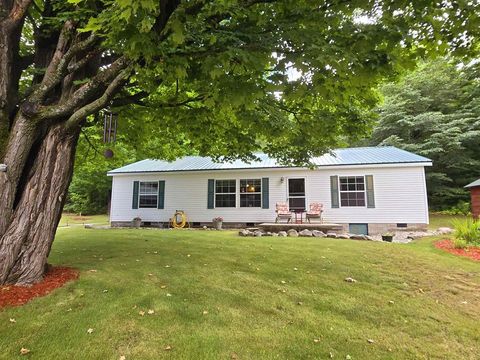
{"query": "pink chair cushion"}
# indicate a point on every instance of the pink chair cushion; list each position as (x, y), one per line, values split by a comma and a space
(315, 209)
(282, 209)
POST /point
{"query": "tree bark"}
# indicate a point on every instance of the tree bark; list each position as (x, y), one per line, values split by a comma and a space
(26, 243)
(17, 151)
(39, 126)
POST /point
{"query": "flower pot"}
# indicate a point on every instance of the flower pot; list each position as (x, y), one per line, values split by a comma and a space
(137, 223)
(217, 225)
(388, 238)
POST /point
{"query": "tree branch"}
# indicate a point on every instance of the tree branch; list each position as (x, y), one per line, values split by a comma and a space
(75, 66)
(130, 99)
(19, 9)
(90, 144)
(79, 115)
(85, 93)
(58, 67)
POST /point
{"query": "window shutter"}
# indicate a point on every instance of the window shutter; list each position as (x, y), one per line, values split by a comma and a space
(161, 194)
(211, 194)
(265, 193)
(370, 192)
(135, 195)
(334, 191)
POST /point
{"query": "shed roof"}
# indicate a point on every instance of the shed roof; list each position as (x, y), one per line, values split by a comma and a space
(339, 157)
(473, 184)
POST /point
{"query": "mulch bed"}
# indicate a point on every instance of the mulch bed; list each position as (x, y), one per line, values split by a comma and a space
(470, 252)
(18, 295)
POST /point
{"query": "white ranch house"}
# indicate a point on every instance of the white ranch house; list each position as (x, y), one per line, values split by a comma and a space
(366, 190)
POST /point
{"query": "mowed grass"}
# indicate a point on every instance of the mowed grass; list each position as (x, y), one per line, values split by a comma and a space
(440, 220)
(220, 296)
(75, 219)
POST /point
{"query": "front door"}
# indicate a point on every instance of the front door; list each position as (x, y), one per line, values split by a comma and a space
(296, 194)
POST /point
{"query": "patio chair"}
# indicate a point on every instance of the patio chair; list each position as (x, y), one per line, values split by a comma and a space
(281, 208)
(315, 211)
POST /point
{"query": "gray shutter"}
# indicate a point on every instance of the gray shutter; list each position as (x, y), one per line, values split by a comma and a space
(334, 191)
(265, 193)
(161, 194)
(135, 195)
(211, 194)
(370, 192)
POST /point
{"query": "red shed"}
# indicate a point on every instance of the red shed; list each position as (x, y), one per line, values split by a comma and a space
(475, 195)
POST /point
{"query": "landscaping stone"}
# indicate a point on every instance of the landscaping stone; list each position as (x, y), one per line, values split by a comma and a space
(243, 232)
(357, 237)
(305, 233)
(274, 234)
(318, 233)
(258, 233)
(268, 233)
(292, 233)
(331, 235)
(343, 236)
(444, 230)
(282, 233)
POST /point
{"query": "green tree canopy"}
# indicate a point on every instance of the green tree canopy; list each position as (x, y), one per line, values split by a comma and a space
(435, 111)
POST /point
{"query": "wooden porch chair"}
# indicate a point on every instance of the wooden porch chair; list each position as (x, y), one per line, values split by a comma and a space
(281, 208)
(315, 211)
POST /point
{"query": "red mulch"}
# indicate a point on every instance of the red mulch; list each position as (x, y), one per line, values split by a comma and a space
(471, 252)
(18, 295)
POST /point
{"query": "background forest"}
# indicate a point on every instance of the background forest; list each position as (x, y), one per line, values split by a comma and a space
(433, 111)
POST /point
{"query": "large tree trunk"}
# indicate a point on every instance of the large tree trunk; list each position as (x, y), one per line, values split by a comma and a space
(26, 243)
(17, 152)
(39, 126)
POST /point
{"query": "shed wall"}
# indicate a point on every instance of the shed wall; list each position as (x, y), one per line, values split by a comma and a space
(475, 196)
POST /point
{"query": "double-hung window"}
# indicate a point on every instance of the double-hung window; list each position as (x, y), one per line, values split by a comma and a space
(225, 193)
(250, 193)
(352, 190)
(148, 194)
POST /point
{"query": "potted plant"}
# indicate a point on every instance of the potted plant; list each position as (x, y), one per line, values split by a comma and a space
(137, 222)
(387, 237)
(217, 222)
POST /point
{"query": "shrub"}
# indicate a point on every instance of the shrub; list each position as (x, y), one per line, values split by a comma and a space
(462, 208)
(459, 243)
(467, 232)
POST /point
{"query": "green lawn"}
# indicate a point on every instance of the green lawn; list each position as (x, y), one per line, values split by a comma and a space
(439, 220)
(74, 219)
(266, 298)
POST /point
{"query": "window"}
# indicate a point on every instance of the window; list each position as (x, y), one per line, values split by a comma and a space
(352, 190)
(148, 195)
(225, 193)
(251, 193)
(358, 229)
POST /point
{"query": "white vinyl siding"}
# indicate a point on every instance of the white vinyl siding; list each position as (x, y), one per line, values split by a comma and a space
(400, 195)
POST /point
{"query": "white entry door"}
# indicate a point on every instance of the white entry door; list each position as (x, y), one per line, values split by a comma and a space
(296, 194)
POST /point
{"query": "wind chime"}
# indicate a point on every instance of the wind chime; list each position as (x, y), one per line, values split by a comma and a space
(109, 131)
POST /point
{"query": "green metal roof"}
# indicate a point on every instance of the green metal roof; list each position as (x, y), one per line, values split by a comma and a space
(339, 157)
(473, 184)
